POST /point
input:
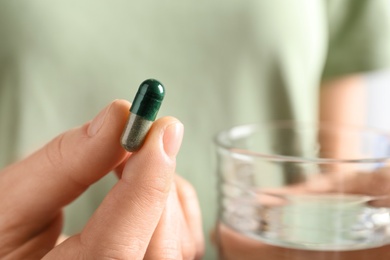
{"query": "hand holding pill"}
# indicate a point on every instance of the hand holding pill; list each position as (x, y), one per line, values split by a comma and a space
(150, 213)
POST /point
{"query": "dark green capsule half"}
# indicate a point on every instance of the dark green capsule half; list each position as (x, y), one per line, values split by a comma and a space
(148, 99)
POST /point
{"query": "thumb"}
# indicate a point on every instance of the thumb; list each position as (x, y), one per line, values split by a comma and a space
(124, 223)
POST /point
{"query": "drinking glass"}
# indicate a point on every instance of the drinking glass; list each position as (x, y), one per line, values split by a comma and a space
(297, 191)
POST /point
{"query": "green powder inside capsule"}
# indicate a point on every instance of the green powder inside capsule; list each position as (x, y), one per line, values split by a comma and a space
(143, 112)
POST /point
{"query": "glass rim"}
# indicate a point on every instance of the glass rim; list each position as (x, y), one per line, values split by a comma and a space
(249, 128)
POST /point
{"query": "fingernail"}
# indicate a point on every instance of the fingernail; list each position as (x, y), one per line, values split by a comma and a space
(97, 122)
(173, 136)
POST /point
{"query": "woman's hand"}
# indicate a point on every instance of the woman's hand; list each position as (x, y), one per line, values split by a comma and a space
(146, 215)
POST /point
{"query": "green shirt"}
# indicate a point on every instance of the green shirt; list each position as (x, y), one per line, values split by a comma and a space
(223, 63)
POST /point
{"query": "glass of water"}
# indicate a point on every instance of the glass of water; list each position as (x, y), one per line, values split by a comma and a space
(298, 191)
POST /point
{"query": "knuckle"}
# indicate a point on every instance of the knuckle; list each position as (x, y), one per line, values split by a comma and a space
(187, 191)
(156, 187)
(59, 159)
(54, 151)
(190, 192)
(185, 188)
(147, 192)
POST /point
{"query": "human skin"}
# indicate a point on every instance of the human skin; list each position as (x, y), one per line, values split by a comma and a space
(341, 101)
(234, 245)
(237, 246)
(149, 214)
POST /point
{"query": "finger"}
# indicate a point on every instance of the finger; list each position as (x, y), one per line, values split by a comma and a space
(236, 246)
(192, 213)
(375, 184)
(121, 166)
(166, 239)
(123, 225)
(37, 187)
(36, 246)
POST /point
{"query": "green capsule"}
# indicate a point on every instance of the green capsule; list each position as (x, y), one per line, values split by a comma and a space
(143, 112)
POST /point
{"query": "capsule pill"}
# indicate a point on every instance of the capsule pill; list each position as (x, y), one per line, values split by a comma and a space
(143, 112)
